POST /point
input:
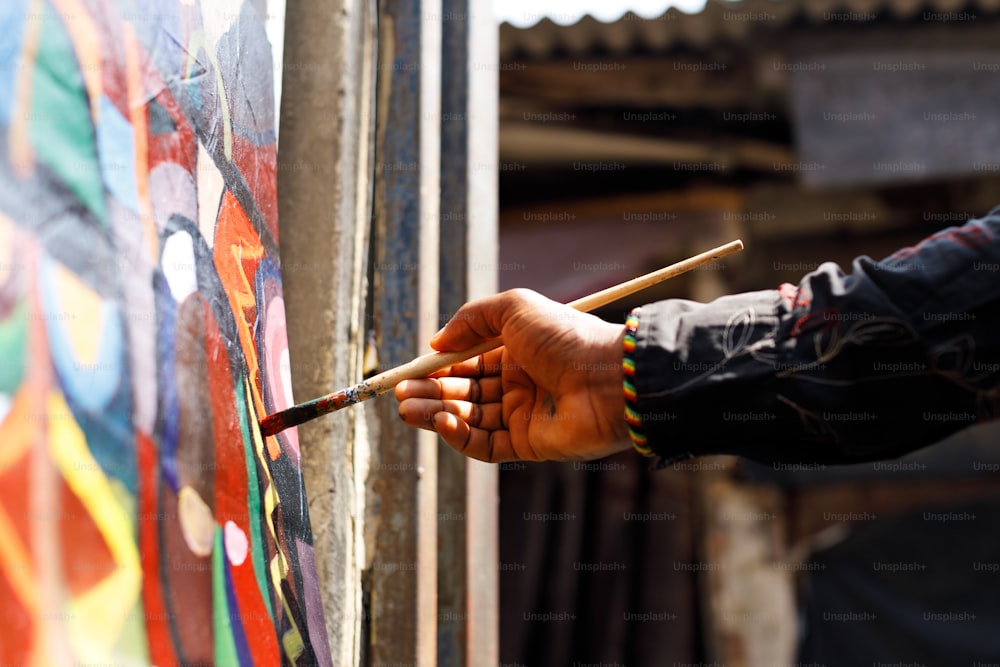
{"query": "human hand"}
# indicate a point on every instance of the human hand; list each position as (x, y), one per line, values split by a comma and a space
(553, 392)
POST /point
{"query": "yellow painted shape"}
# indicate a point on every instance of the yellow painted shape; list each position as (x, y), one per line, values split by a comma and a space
(132, 649)
(291, 641)
(210, 187)
(98, 616)
(197, 522)
(80, 305)
(270, 496)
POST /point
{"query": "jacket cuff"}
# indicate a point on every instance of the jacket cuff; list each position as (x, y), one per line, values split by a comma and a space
(701, 369)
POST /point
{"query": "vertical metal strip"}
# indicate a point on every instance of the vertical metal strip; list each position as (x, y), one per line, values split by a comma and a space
(468, 613)
(403, 625)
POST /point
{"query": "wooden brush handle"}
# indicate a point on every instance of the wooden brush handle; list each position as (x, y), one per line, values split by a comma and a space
(435, 361)
(427, 364)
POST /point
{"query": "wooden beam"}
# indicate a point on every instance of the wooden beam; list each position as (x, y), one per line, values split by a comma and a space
(645, 82)
(662, 206)
(548, 143)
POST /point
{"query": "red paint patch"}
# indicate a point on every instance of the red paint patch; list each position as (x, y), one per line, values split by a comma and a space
(85, 555)
(259, 166)
(17, 627)
(180, 146)
(161, 648)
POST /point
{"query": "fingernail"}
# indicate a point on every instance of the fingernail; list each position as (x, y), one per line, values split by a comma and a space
(438, 416)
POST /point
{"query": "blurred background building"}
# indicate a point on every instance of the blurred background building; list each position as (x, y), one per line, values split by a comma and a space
(815, 131)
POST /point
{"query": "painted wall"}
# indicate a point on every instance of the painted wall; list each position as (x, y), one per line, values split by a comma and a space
(142, 333)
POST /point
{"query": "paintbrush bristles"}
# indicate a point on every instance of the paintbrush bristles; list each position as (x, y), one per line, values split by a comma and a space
(435, 361)
(376, 385)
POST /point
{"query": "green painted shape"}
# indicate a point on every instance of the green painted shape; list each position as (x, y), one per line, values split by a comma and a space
(225, 645)
(61, 127)
(253, 506)
(13, 348)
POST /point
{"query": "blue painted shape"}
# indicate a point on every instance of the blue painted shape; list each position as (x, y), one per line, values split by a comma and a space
(168, 410)
(116, 152)
(12, 21)
(99, 391)
(92, 383)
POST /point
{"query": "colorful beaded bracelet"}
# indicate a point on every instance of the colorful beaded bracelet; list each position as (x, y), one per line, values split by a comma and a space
(632, 417)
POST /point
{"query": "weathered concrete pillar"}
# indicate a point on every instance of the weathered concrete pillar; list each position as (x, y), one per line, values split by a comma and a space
(324, 194)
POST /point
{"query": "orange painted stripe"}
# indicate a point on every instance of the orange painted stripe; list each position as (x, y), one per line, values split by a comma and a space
(17, 564)
(237, 253)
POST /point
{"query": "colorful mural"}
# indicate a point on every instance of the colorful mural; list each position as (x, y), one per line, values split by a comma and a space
(143, 518)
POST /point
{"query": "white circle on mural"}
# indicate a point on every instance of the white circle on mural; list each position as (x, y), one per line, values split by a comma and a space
(237, 544)
(178, 265)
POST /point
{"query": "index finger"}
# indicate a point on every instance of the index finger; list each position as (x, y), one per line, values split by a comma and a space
(481, 366)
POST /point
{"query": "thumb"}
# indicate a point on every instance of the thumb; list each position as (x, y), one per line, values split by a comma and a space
(483, 319)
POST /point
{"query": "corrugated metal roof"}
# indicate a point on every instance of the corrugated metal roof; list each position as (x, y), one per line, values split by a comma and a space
(720, 21)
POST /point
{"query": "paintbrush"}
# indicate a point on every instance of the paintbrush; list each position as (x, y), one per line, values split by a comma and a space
(429, 363)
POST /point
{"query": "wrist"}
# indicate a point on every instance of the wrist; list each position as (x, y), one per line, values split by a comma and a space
(603, 370)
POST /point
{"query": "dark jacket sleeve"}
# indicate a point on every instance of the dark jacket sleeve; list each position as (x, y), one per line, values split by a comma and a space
(842, 368)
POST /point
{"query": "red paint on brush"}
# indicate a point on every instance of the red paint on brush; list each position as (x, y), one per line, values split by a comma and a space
(298, 414)
(303, 412)
(273, 424)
